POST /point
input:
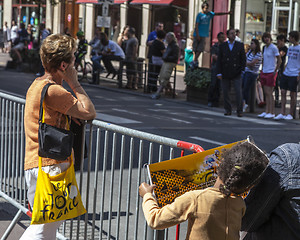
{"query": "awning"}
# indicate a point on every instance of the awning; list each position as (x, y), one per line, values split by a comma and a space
(181, 3)
(96, 1)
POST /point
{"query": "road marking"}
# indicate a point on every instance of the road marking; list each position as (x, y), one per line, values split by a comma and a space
(246, 119)
(154, 116)
(114, 119)
(209, 141)
(105, 98)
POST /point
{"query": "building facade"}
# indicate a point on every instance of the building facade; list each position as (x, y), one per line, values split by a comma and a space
(252, 17)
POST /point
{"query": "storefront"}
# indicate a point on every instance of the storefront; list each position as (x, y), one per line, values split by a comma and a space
(276, 17)
(28, 12)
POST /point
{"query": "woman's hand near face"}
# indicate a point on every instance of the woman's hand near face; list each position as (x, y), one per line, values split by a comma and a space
(70, 76)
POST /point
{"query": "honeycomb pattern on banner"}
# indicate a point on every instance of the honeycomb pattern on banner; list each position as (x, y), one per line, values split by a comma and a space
(170, 185)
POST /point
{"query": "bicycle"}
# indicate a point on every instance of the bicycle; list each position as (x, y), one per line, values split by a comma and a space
(85, 70)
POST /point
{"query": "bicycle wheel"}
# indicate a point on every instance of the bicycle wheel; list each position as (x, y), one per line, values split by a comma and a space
(88, 71)
(80, 71)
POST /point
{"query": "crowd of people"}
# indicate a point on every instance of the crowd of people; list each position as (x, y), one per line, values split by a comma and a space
(264, 70)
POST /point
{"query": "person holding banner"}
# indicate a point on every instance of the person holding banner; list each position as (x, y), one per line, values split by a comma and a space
(216, 212)
(57, 55)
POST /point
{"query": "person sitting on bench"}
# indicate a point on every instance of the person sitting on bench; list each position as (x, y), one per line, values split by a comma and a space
(111, 51)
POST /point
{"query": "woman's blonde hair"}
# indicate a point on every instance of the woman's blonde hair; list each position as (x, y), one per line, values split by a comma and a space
(55, 49)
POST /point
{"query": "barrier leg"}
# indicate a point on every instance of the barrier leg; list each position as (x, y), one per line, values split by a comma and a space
(160, 234)
(12, 225)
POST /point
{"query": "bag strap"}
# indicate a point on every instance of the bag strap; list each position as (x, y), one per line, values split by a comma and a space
(41, 117)
(45, 88)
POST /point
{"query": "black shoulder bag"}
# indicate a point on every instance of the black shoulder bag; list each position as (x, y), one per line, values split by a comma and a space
(54, 143)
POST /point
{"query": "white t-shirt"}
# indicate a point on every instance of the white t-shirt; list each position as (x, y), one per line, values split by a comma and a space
(14, 32)
(115, 48)
(292, 68)
(269, 57)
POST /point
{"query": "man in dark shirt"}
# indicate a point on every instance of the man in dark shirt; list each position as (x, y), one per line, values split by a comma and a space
(281, 40)
(152, 85)
(131, 59)
(215, 84)
(273, 207)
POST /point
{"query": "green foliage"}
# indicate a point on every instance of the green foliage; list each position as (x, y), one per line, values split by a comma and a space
(199, 77)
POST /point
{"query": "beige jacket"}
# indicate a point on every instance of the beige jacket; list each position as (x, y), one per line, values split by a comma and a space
(210, 215)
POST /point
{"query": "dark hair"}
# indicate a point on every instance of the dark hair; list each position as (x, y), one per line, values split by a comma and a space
(230, 29)
(241, 168)
(131, 30)
(295, 35)
(161, 34)
(204, 4)
(257, 49)
(219, 34)
(281, 37)
(237, 31)
(124, 28)
(266, 35)
(103, 38)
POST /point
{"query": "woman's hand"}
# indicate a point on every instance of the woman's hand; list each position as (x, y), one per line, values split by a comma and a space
(70, 76)
(146, 188)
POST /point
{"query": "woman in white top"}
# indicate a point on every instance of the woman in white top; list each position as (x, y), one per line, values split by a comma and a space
(269, 73)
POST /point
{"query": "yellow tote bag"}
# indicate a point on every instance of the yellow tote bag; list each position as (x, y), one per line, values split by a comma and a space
(56, 197)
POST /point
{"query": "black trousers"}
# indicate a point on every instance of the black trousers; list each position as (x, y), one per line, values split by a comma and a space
(226, 86)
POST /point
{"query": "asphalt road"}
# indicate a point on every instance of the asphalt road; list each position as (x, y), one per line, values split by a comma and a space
(176, 119)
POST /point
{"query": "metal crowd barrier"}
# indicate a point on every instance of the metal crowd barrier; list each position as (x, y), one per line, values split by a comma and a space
(108, 178)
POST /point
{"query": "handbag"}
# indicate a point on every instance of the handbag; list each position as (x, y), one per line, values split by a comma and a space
(55, 143)
(56, 197)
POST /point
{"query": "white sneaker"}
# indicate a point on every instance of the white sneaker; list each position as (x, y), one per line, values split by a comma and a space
(288, 117)
(279, 117)
(262, 115)
(269, 116)
(245, 108)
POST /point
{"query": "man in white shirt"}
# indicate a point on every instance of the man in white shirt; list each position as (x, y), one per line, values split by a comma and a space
(111, 51)
(290, 77)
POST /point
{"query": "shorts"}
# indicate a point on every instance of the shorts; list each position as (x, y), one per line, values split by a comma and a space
(198, 46)
(131, 67)
(268, 79)
(288, 83)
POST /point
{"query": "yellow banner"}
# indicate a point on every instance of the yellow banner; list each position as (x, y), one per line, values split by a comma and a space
(179, 175)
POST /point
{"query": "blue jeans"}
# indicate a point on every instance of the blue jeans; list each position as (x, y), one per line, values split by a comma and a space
(96, 63)
(248, 82)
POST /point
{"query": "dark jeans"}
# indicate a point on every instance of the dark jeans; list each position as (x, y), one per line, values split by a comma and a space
(153, 72)
(214, 88)
(249, 80)
(277, 84)
(107, 62)
(226, 86)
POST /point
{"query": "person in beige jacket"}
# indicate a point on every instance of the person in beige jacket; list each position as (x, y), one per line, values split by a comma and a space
(213, 213)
